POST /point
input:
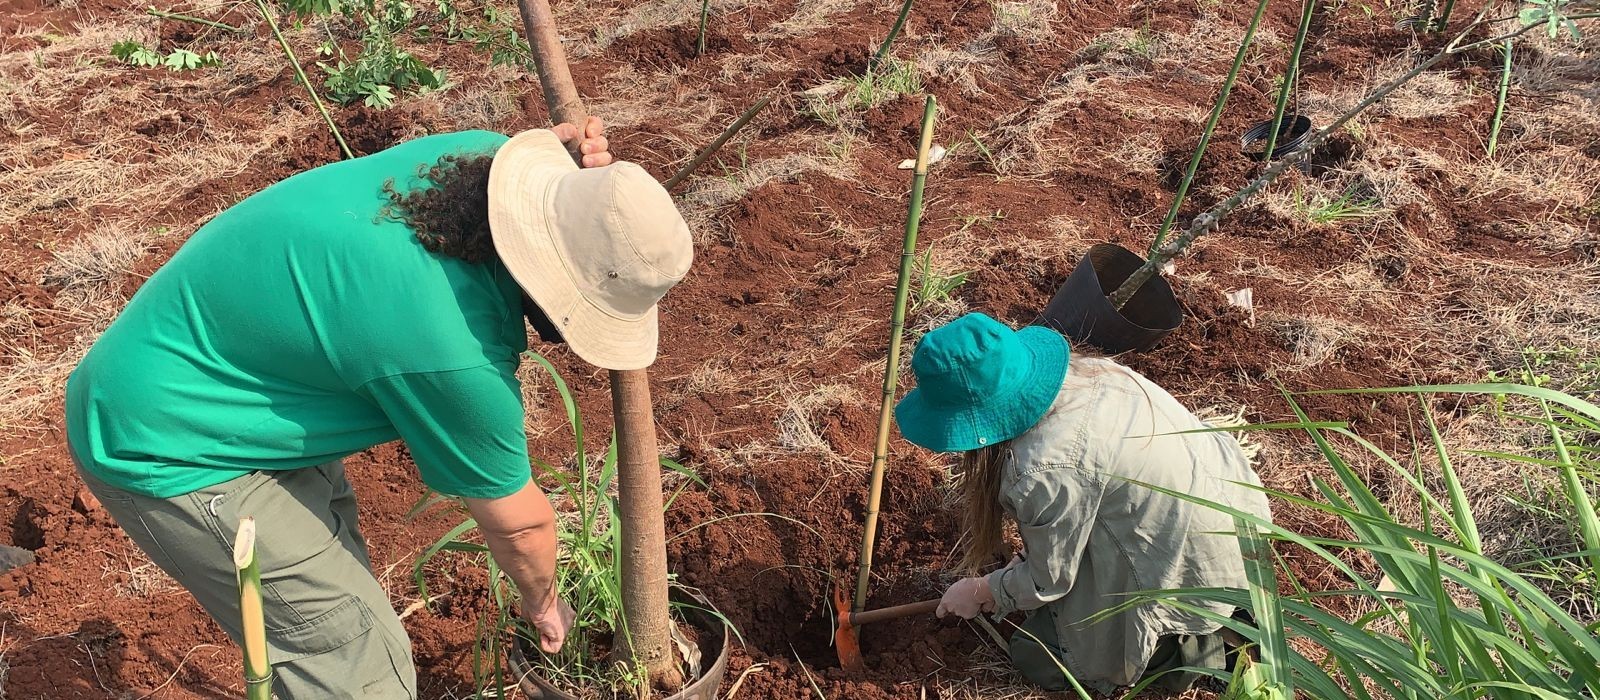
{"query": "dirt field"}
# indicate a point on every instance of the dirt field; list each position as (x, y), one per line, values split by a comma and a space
(772, 350)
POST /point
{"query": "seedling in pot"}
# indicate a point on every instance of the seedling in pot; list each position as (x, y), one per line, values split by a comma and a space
(1299, 126)
(1211, 126)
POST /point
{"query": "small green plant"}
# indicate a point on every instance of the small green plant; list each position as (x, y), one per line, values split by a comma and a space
(890, 79)
(1348, 206)
(135, 53)
(588, 577)
(1447, 621)
(1142, 44)
(935, 285)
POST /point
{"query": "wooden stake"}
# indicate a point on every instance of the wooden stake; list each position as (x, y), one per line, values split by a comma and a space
(891, 373)
(257, 670)
(648, 624)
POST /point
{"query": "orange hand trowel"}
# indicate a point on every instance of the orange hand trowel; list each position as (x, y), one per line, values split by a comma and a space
(844, 634)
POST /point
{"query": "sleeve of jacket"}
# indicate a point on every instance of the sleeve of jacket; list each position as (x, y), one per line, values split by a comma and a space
(1055, 508)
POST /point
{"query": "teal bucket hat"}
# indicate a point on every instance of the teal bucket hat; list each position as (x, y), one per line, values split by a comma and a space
(980, 383)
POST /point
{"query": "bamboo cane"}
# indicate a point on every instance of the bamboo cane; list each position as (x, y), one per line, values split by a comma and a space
(891, 373)
(257, 670)
(1211, 126)
(1290, 75)
(883, 49)
(647, 637)
(705, 16)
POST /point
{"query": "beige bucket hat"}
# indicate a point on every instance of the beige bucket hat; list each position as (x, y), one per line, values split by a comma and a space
(595, 248)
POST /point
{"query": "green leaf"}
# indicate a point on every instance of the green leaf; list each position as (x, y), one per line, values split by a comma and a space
(124, 50)
(379, 96)
(1532, 15)
(181, 60)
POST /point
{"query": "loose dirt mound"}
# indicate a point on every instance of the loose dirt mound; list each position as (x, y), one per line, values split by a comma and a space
(1069, 122)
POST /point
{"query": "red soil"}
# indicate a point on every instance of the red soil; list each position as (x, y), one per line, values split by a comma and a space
(66, 635)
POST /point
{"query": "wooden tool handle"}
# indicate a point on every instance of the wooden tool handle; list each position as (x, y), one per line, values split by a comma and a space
(870, 616)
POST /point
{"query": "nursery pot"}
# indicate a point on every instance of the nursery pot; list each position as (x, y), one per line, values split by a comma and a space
(1081, 311)
(1292, 134)
(715, 635)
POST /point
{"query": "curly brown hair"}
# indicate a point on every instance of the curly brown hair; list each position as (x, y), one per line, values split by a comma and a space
(450, 215)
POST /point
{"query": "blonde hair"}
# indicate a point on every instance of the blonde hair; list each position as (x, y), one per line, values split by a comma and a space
(977, 494)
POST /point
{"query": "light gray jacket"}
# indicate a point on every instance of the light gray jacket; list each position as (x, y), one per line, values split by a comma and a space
(1092, 536)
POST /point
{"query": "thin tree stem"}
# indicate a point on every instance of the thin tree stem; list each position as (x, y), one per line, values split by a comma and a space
(1290, 75)
(705, 14)
(1444, 16)
(299, 73)
(1211, 126)
(711, 149)
(883, 49)
(1500, 102)
(163, 14)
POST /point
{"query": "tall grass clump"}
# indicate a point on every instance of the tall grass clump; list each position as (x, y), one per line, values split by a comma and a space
(1445, 620)
(587, 573)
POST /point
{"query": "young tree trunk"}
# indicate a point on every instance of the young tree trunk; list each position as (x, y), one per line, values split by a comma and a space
(644, 536)
(648, 625)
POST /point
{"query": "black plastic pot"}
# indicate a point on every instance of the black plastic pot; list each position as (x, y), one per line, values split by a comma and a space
(1081, 311)
(715, 636)
(1292, 134)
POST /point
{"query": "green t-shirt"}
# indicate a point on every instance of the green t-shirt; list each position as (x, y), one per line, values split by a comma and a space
(300, 326)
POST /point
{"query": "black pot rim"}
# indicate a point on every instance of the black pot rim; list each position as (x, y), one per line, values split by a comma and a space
(1292, 134)
(536, 686)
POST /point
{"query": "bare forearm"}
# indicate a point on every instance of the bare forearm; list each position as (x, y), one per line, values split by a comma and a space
(521, 535)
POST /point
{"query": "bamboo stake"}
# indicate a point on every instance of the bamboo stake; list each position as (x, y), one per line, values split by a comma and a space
(705, 153)
(705, 15)
(1500, 102)
(883, 49)
(1444, 16)
(300, 74)
(1211, 126)
(1208, 219)
(647, 633)
(1290, 75)
(257, 670)
(891, 372)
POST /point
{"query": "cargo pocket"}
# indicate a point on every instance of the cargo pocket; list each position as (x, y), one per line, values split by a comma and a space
(342, 653)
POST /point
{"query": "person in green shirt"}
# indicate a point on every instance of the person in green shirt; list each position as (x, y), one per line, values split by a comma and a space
(360, 302)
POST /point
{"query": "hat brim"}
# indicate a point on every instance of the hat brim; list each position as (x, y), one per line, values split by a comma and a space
(998, 418)
(522, 183)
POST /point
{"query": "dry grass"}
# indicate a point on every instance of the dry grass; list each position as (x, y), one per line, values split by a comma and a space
(1314, 340)
(708, 196)
(600, 28)
(1027, 20)
(810, 16)
(798, 426)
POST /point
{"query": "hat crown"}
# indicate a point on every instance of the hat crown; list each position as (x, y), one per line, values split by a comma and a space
(971, 360)
(622, 239)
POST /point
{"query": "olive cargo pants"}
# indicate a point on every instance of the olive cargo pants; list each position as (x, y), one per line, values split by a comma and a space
(331, 632)
(1036, 652)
